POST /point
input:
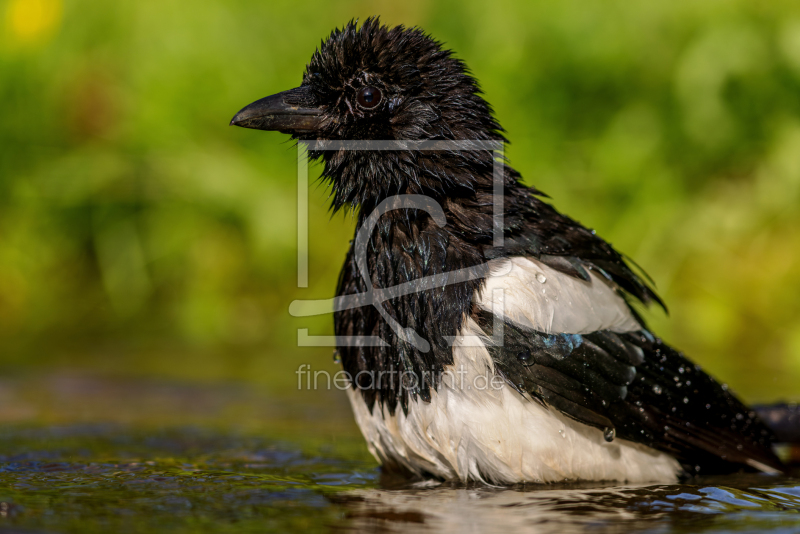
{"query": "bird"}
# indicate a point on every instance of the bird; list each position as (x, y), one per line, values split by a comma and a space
(505, 340)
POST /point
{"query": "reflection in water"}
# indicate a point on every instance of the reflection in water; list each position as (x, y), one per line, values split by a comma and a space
(63, 481)
(178, 465)
(761, 503)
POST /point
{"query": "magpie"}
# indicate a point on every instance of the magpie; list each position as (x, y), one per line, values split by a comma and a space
(502, 333)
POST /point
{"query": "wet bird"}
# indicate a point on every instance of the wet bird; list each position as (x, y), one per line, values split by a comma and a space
(510, 350)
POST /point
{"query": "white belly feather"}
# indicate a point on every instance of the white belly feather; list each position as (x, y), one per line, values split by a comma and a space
(473, 431)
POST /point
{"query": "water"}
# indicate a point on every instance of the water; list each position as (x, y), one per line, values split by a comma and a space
(236, 459)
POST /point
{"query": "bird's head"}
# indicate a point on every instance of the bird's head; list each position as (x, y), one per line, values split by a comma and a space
(378, 83)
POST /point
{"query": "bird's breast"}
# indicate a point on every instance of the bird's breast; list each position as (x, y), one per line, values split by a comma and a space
(477, 428)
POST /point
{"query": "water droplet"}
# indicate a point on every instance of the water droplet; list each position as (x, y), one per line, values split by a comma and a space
(724, 387)
(657, 389)
(337, 358)
(739, 447)
(739, 416)
(708, 406)
(524, 357)
(563, 434)
(686, 400)
(680, 370)
(541, 278)
(609, 434)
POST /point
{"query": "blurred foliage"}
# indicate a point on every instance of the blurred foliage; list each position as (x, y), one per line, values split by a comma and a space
(141, 234)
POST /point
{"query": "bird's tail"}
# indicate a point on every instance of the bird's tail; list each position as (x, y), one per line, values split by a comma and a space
(784, 421)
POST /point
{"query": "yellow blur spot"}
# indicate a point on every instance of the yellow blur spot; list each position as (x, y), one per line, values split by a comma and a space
(32, 20)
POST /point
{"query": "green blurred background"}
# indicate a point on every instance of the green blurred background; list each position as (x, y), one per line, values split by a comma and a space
(141, 236)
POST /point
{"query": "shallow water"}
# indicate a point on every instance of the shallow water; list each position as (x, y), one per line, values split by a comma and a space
(182, 461)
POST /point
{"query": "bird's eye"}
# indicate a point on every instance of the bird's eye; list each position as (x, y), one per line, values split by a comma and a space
(369, 97)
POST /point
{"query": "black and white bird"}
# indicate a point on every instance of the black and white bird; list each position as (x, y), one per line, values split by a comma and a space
(580, 388)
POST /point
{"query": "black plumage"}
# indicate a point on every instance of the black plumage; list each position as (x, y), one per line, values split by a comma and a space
(376, 83)
(638, 388)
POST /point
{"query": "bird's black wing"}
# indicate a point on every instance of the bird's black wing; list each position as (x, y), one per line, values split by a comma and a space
(634, 387)
(535, 229)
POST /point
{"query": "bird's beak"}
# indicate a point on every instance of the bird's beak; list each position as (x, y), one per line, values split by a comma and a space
(288, 112)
